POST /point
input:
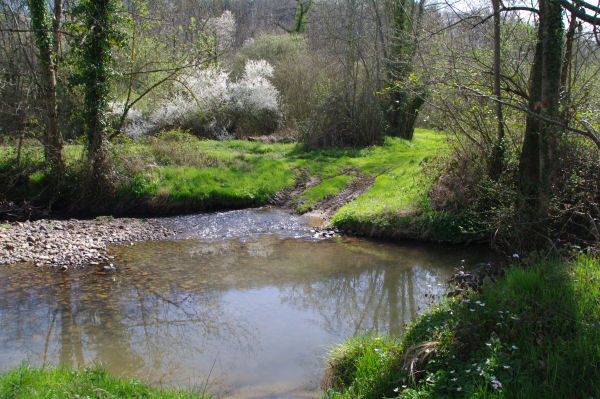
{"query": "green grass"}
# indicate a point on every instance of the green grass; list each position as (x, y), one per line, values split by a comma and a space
(252, 183)
(397, 201)
(534, 334)
(177, 169)
(26, 383)
(325, 189)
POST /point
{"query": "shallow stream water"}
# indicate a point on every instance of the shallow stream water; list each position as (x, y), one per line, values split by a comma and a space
(244, 303)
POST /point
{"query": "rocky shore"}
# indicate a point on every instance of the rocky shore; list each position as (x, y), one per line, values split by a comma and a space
(71, 243)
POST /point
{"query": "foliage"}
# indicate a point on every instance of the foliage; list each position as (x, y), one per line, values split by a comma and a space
(27, 382)
(345, 116)
(535, 333)
(296, 70)
(209, 104)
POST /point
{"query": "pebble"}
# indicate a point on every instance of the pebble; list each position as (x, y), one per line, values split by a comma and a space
(73, 243)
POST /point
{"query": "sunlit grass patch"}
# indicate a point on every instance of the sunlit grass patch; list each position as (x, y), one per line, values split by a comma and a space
(325, 189)
(25, 382)
(400, 187)
(251, 183)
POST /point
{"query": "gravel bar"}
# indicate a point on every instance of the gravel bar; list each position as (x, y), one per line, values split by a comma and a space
(72, 243)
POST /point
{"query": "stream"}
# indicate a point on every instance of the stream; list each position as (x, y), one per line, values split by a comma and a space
(244, 304)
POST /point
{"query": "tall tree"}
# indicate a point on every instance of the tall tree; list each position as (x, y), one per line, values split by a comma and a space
(53, 146)
(543, 126)
(535, 168)
(99, 36)
(497, 156)
(405, 98)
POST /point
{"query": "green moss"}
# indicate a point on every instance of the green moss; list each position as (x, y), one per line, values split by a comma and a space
(26, 382)
(534, 334)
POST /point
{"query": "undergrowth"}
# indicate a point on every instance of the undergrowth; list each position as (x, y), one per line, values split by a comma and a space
(534, 334)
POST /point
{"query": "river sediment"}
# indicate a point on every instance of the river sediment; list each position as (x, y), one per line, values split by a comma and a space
(71, 243)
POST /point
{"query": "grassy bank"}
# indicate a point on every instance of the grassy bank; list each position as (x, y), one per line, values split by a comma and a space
(25, 382)
(534, 334)
(176, 172)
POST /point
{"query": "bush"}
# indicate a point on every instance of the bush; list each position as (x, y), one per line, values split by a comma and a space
(464, 188)
(345, 116)
(209, 104)
(296, 70)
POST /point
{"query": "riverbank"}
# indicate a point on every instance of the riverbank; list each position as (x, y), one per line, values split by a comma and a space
(25, 382)
(372, 191)
(533, 334)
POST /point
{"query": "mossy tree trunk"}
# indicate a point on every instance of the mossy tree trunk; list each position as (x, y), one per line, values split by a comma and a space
(95, 73)
(536, 166)
(405, 99)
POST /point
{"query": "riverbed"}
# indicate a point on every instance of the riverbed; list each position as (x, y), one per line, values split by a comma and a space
(244, 304)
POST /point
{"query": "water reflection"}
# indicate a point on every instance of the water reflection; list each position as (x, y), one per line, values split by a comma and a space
(254, 313)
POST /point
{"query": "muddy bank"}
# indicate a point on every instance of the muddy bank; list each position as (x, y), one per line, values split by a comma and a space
(70, 243)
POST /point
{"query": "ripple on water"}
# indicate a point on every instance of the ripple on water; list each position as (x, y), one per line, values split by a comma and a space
(246, 223)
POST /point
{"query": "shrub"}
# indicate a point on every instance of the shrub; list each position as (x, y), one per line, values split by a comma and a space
(209, 104)
(345, 116)
(296, 70)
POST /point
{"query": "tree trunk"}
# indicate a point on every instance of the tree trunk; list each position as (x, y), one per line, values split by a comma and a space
(535, 167)
(96, 59)
(497, 157)
(403, 113)
(404, 102)
(565, 87)
(53, 146)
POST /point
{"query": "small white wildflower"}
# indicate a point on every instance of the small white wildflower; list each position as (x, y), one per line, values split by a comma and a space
(506, 366)
(496, 384)
(459, 389)
(514, 347)
(467, 371)
(377, 350)
(452, 371)
(396, 389)
(454, 379)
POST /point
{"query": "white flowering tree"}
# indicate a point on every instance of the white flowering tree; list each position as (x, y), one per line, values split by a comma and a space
(210, 104)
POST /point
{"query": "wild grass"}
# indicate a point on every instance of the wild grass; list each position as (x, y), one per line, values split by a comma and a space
(534, 334)
(398, 198)
(178, 168)
(325, 189)
(26, 383)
